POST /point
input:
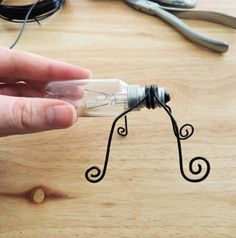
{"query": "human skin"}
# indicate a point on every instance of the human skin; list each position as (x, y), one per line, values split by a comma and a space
(23, 77)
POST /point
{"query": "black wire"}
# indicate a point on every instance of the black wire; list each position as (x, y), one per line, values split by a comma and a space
(95, 174)
(37, 11)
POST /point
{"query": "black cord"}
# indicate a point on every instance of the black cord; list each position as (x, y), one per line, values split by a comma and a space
(35, 12)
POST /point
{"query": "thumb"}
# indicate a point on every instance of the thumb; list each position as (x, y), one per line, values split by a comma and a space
(19, 115)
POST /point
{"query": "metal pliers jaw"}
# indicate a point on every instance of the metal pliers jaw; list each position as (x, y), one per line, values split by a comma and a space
(172, 14)
(178, 3)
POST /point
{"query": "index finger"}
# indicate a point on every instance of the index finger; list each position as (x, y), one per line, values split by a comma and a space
(17, 65)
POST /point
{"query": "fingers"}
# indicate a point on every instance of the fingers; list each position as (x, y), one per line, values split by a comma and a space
(15, 65)
(20, 90)
(20, 115)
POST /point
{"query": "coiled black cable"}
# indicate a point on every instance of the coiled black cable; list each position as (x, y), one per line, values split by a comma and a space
(42, 10)
(37, 11)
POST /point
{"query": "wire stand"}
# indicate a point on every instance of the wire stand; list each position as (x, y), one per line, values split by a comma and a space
(94, 174)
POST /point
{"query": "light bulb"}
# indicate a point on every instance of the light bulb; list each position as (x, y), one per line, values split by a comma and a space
(102, 97)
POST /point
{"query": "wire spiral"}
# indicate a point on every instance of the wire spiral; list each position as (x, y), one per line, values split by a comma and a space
(93, 173)
(185, 133)
(123, 131)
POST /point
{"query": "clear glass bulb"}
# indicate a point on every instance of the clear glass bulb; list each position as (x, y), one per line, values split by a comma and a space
(98, 97)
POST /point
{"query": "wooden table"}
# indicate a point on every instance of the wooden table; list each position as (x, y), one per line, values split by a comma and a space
(143, 194)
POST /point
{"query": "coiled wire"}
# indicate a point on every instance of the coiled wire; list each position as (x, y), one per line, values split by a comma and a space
(34, 12)
(41, 10)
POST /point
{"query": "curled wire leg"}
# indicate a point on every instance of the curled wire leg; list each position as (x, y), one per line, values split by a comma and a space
(123, 131)
(94, 174)
(185, 132)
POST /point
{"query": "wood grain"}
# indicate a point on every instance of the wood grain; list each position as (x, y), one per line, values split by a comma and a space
(143, 194)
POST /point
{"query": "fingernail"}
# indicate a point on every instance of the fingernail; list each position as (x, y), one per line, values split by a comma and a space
(61, 116)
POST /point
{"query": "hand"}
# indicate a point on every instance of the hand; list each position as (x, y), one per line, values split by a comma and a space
(23, 77)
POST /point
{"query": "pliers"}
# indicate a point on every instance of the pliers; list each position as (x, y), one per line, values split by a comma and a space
(172, 14)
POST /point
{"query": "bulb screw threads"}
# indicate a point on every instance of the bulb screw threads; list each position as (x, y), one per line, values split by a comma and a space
(136, 93)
